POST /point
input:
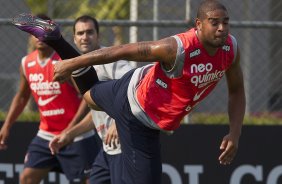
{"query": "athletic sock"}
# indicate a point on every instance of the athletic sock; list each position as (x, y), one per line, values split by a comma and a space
(85, 77)
(63, 48)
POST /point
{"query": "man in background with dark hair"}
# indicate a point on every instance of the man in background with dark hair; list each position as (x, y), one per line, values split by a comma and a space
(60, 107)
(108, 163)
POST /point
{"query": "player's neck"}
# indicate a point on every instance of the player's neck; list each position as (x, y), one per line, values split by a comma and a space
(209, 49)
(44, 53)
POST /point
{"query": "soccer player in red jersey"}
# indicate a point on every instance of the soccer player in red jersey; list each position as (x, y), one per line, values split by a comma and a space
(156, 97)
(60, 107)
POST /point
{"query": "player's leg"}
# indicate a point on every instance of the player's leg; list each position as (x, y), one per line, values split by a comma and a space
(32, 175)
(107, 169)
(140, 149)
(90, 101)
(100, 173)
(141, 158)
(49, 32)
(115, 165)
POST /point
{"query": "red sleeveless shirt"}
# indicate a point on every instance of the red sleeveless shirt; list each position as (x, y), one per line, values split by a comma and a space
(167, 100)
(57, 102)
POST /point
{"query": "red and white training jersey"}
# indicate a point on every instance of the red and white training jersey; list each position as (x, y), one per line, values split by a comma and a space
(161, 98)
(57, 102)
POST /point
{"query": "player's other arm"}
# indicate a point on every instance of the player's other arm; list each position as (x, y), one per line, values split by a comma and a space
(67, 136)
(17, 106)
(236, 111)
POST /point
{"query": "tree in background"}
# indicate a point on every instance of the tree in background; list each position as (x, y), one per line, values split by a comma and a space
(101, 9)
(107, 10)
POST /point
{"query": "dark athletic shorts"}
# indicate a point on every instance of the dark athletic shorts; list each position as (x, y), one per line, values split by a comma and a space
(74, 160)
(141, 158)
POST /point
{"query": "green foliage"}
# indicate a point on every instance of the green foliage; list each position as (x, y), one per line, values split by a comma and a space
(103, 9)
(206, 118)
(106, 9)
(2, 116)
(195, 118)
(31, 116)
(37, 6)
(263, 119)
(27, 116)
(260, 119)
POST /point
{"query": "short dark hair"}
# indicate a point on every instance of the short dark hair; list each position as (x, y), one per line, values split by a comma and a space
(209, 5)
(85, 18)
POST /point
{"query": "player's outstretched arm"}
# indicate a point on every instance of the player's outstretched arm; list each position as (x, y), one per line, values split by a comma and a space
(164, 51)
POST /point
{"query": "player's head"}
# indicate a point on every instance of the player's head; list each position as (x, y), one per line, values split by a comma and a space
(37, 44)
(86, 33)
(212, 23)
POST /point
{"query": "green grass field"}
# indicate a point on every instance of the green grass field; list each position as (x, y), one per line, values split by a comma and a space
(195, 118)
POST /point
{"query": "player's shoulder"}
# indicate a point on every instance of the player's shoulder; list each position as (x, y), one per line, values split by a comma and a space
(56, 56)
(32, 54)
(30, 57)
(233, 41)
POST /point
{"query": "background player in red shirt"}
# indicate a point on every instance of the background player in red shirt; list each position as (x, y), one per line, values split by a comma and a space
(60, 108)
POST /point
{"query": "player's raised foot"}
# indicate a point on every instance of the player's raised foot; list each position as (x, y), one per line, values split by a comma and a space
(40, 28)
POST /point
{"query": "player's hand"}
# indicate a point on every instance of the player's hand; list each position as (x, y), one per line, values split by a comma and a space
(229, 147)
(61, 72)
(4, 134)
(112, 136)
(58, 142)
